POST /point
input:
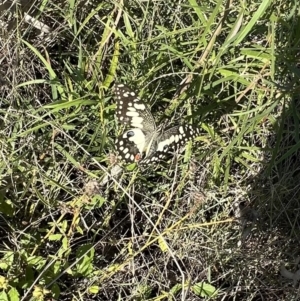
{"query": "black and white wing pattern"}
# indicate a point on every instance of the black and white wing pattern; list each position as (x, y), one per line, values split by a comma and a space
(170, 140)
(130, 145)
(132, 111)
(144, 142)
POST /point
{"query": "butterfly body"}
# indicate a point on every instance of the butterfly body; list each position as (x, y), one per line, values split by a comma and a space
(144, 142)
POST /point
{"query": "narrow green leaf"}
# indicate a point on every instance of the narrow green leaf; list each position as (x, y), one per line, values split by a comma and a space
(198, 11)
(249, 26)
(52, 75)
(162, 244)
(55, 237)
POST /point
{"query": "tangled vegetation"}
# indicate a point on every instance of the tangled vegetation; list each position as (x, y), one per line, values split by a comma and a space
(217, 221)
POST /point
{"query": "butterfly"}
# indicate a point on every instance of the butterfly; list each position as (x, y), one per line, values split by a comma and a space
(145, 142)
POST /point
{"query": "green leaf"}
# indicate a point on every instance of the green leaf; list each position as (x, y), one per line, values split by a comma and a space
(204, 289)
(6, 206)
(3, 296)
(239, 37)
(129, 30)
(28, 277)
(198, 11)
(56, 267)
(36, 261)
(142, 292)
(56, 291)
(176, 289)
(7, 260)
(162, 244)
(64, 226)
(65, 243)
(130, 167)
(96, 202)
(86, 254)
(13, 295)
(56, 86)
(59, 105)
(94, 289)
(3, 282)
(55, 237)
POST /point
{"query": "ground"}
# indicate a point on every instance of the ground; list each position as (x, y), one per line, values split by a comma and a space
(217, 220)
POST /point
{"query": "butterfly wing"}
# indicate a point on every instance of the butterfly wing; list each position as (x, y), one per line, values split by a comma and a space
(144, 137)
(131, 110)
(130, 145)
(171, 139)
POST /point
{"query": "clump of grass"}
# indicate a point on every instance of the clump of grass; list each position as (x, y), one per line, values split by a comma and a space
(216, 221)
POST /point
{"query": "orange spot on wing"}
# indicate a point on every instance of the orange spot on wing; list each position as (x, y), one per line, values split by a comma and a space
(137, 157)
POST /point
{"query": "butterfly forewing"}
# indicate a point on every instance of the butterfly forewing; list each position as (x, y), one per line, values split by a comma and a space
(130, 145)
(131, 110)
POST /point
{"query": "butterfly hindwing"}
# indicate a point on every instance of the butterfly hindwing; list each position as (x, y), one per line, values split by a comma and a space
(170, 140)
(131, 110)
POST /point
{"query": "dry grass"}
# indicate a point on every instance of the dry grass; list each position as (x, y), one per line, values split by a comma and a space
(216, 222)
